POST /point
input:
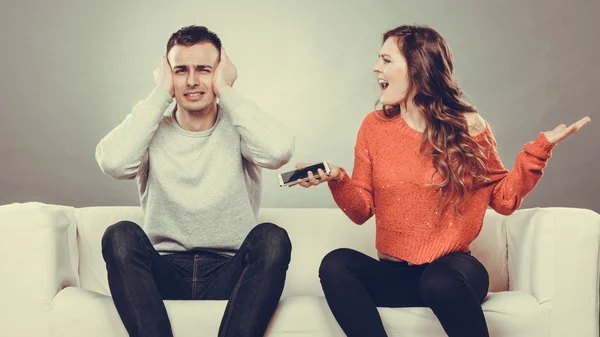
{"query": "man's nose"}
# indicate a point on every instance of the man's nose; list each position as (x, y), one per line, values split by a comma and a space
(193, 79)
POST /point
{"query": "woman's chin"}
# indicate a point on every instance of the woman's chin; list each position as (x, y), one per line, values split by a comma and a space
(384, 101)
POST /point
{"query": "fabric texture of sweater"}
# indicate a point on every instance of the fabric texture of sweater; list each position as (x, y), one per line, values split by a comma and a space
(198, 190)
(392, 181)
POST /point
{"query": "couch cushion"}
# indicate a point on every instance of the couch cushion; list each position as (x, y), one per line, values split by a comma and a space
(77, 312)
(491, 249)
(39, 257)
(91, 224)
(313, 232)
(316, 232)
(508, 314)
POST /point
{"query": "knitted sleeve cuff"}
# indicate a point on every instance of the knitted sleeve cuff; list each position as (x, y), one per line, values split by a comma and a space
(540, 147)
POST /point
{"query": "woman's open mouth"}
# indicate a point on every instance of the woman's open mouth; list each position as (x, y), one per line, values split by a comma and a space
(383, 84)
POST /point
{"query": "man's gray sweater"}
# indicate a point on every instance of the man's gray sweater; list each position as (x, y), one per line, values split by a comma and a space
(198, 190)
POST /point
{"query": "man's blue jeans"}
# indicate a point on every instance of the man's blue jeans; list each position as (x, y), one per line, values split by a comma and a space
(140, 279)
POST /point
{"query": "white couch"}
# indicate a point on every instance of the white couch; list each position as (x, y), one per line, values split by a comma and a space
(543, 266)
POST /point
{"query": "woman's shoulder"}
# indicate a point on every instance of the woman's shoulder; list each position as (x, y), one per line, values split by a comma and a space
(374, 116)
(377, 117)
(371, 120)
(477, 125)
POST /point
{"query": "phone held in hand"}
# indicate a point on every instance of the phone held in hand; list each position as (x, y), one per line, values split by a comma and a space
(289, 178)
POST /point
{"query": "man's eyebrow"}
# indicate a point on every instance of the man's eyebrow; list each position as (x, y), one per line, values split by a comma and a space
(200, 66)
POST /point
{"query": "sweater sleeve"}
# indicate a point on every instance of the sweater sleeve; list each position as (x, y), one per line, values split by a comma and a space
(264, 141)
(122, 153)
(510, 187)
(354, 196)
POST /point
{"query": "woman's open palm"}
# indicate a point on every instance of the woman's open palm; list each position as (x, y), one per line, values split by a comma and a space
(561, 132)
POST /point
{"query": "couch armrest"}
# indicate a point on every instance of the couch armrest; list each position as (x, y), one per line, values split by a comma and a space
(38, 250)
(553, 254)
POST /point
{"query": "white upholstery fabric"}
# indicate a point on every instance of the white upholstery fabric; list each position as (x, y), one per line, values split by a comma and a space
(514, 314)
(78, 312)
(313, 235)
(38, 257)
(553, 255)
(543, 266)
(91, 224)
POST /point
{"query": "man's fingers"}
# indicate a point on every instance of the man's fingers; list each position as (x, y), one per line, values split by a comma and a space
(224, 56)
(164, 64)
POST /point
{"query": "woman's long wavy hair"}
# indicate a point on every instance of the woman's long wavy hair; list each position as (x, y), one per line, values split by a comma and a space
(457, 157)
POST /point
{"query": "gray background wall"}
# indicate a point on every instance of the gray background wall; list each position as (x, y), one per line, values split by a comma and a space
(72, 70)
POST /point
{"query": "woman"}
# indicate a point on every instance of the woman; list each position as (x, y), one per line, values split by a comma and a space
(427, 167)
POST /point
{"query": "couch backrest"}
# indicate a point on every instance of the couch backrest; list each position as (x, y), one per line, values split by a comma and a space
(313, 231)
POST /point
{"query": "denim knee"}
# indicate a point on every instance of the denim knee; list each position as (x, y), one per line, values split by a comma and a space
(119, 239)
(335, 263)
(272, 243)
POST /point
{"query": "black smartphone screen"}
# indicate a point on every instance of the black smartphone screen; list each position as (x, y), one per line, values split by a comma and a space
(301, 173)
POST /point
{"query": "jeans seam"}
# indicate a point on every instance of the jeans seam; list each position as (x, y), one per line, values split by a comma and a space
(227, 315)
(194, 277)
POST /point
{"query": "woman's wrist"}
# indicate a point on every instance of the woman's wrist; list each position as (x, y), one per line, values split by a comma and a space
(339, 176)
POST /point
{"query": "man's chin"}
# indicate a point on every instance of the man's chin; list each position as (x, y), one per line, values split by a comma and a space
(196, 109)
(197, 106)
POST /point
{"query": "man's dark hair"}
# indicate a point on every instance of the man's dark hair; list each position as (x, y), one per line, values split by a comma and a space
(191, 35)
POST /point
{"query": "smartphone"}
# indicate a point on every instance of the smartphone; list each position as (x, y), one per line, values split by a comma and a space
(289, 178)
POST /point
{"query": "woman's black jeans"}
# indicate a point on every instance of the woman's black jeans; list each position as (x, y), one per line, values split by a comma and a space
(453, 286)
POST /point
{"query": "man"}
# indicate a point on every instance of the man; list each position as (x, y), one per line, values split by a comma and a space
(198, 171)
